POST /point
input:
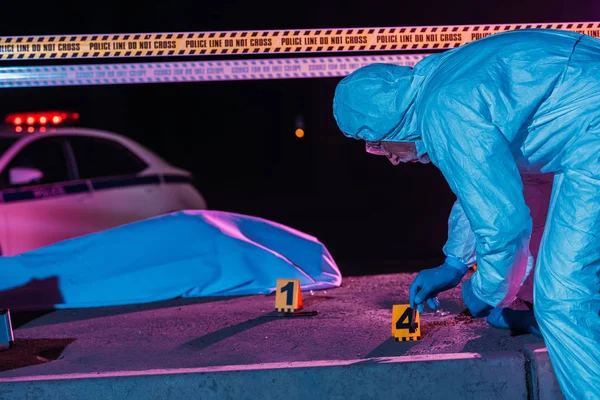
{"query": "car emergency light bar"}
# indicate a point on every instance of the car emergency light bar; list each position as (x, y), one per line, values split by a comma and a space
(40, 119)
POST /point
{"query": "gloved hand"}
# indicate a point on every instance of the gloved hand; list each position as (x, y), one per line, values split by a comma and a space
(522, 321)
(477, 307)
(430, 282)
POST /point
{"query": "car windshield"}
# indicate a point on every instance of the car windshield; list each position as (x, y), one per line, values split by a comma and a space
(6, 142)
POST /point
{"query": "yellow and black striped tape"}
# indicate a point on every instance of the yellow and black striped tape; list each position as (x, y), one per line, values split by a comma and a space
(262, 42)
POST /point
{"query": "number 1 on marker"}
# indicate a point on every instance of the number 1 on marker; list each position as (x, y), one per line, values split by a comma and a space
(288, 297)
(289, 288)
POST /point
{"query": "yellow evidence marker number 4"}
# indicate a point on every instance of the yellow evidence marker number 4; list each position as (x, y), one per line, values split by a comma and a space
(405, 323)
(288, 297)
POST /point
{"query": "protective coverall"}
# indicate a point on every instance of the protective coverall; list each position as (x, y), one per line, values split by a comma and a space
(461, 239)
(520, 102)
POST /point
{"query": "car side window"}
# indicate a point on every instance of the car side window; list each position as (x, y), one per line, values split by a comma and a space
(46, 155)
(99, 158)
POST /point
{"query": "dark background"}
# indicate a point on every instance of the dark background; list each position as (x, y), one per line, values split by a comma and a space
(237, 138)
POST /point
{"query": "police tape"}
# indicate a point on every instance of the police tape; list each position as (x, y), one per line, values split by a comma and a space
(195, 71)
(262, 42)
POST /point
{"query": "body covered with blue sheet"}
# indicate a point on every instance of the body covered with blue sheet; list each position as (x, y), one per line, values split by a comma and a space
(183, 254)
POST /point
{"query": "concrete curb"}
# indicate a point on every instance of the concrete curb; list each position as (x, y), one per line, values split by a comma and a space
(541, 377)
(444, 376)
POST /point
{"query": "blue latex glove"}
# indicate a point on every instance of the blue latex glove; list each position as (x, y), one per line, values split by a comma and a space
(522, 321)
(477, 307)
(430, 282)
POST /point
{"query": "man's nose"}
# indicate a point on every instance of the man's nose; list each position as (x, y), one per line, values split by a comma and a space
(395, 160)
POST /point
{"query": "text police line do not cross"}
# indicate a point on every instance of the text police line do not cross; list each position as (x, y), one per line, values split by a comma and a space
(430, 38)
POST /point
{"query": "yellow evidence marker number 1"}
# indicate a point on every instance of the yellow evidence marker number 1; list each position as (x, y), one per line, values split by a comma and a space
(288, 297)
(405, 323)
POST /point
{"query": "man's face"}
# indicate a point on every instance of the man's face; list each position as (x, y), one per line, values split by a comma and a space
(396, 152)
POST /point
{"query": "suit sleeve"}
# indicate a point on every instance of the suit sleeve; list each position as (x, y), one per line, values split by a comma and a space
(461, 239)
(475, 158)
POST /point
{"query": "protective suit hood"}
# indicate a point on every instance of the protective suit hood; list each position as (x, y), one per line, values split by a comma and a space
(377, 102)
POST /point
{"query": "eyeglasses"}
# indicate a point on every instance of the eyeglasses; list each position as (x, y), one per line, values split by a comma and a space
(396, 152)
(376, 148)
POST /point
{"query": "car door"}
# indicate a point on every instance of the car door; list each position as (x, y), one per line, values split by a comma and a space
(45, 210)
(120, 193)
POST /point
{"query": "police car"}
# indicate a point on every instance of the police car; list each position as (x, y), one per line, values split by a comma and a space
(58, 181)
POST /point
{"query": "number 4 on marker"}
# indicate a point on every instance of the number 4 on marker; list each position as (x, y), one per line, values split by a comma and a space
(403, 326)
(407, 316)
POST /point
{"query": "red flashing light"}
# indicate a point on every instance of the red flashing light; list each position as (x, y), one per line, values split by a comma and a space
(40, 118)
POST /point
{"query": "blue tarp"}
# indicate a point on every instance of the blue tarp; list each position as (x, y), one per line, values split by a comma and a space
(184, 254)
